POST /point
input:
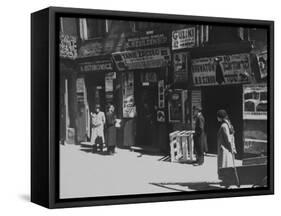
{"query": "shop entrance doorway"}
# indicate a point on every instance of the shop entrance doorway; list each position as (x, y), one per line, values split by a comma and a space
(146, 115)
(230, 99)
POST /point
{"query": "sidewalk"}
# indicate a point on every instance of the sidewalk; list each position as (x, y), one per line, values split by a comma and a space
(84, 174)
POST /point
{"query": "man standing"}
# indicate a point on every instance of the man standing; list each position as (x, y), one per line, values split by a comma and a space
(199, 136)
(98, 121)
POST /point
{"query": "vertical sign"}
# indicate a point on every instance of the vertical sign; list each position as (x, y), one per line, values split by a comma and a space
(161, 94)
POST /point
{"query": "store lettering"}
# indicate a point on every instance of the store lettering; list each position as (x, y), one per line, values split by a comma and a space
(204, 80)
(96, 67)
(147, 41)
(141, 53)
(184, 34)
(203, 68)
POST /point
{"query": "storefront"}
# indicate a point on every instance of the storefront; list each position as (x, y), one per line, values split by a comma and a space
(95, 84)
(143, 75)
(68, 70)
(95, 80)
(221, 76)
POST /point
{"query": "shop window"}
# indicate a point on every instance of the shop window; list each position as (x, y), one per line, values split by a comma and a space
(258, 37)
(69, 26)
(223, 34)
(146, 26)
(119, 26)
(92, 28)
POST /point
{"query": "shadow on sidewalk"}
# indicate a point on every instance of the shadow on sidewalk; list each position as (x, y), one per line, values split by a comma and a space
(190, 186)
(89, 149)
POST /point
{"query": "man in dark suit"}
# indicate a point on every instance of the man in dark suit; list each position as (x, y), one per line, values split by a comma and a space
(199, 136)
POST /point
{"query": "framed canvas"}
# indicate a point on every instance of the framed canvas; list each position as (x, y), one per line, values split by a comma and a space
(139, 107)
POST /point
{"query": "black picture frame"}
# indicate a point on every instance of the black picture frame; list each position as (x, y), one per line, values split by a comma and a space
(44, 108)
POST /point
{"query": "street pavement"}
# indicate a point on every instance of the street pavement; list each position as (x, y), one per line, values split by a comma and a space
(87, 174)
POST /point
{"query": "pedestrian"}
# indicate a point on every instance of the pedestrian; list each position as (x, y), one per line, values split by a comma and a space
(226, 143)
(200, 141)
(110, 129)
(98, 122)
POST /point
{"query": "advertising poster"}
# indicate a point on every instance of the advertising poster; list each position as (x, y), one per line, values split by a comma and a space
(180, 67)
(262, 61)
(176, 106)
(129, 107)
(68, 46)
(184, 38)
(220, 70)
(255, 102)
(80, 90)
(109, 86)
(161, 116)
(255, 137)
(141, 59)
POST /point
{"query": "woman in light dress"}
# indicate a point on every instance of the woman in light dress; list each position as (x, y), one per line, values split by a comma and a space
(226, 143)
(98, 122)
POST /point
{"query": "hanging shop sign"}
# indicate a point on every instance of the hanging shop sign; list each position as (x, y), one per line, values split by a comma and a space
(180, 66)
(219, 70)
(255, 101)
(147, 39)
(142, 58)
(96, 66)
(161, 94)
(68, 46)
(262, 61)
(184, 38)
(101, 46)
(129, 107)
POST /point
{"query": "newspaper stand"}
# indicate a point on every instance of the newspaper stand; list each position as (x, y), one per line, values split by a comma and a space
(181, 145)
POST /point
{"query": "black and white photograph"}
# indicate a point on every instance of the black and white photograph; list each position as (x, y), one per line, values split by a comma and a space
(151, 107)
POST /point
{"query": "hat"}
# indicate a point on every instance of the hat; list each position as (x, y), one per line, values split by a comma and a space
(198, 108)
(222, 114)
(97, 106)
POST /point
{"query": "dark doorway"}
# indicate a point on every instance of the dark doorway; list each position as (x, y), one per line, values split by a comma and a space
(230, 99)
(146, 119)
(95, 90)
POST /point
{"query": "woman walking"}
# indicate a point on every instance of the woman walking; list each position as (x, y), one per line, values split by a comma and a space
(226, 144)
(111, 129)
